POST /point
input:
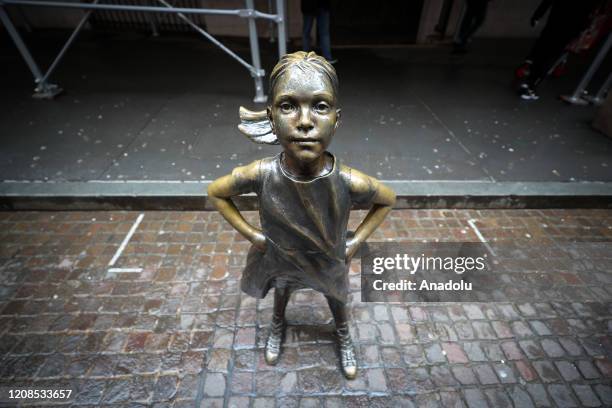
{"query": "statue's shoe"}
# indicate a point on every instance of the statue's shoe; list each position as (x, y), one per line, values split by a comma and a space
(275, 339)
(348, 362)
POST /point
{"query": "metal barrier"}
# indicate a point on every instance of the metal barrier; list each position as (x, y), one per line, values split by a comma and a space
(579, 97)
(47, 90)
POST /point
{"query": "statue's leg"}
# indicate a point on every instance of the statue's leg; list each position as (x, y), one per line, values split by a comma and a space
(277, 327)
(348, 361)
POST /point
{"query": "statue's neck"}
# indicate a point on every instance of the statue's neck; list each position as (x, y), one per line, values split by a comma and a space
(307, 170)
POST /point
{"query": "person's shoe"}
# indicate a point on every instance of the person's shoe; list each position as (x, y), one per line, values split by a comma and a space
(275, 339)
(528, 94)
(348, 362)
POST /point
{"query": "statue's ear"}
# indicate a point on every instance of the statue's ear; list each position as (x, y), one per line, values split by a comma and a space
(338, 116)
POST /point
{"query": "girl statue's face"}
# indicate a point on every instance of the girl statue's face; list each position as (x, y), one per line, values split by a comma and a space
(303, 113)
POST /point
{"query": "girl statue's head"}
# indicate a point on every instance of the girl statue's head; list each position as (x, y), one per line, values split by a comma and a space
(306, 62)
(302, 113)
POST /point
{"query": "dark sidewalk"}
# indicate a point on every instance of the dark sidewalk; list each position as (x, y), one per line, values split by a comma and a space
(181, 334)
(140, 110)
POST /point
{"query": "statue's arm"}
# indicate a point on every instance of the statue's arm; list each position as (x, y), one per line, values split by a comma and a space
(382, 202)
(220, 192)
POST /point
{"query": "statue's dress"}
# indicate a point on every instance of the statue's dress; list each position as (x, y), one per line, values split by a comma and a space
(305, 224)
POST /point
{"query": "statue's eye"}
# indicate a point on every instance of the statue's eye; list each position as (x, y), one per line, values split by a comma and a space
(322, 107)
(286, 107)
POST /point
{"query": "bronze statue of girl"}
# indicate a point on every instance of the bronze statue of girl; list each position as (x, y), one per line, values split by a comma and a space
(305, 197)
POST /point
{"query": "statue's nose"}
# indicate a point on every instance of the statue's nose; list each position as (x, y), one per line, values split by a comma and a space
(305, 123)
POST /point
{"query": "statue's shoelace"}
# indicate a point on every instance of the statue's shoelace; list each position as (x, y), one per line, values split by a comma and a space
(275, 338)
(347, 351)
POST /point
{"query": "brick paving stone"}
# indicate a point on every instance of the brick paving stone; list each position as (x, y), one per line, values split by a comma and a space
(241, 382)
(498, 398)
(474, 351)
(165, 388)
(568, 371)
(454, 353)
(552, 348)
(473, 312)
(546, 370)
(434, 353)
(587, 369)
(539, 395)
(441, 377)
(376, 380)
(562, 395)
(527, 310)
(464, 375)
(586, 395)
(571, 346)
(605, 366)
(505, 373)
(400, 314)
(420, 380)
(493, 351)
(484, 330)
(214, 385)
(604, 392)
(512, 351)
(391, 357)
(398, 380)
(531, 349)
(188, 387)
(485, 374)
(540, 328)
(520, 397)
(464, 330)
(521, 329)
(502, 329)
(526, 370)
(172, 336)
(451, 399)
(418, 314)
(475, 398)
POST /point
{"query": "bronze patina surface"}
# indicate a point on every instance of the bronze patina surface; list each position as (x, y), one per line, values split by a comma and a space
(305, 197)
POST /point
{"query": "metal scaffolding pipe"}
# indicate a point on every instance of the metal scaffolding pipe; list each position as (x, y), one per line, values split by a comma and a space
(245, 13)
(47, 90)
(575, 98)
(280, 22)
(71, 39)
(258, 73)
(23, 49)
(211, 38)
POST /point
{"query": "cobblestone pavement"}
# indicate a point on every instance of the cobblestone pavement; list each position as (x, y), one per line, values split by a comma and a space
(179, 333)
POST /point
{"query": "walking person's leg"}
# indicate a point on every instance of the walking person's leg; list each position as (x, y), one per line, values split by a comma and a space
(466, 23)
(308, 21)
(323, 34)
(479, 13)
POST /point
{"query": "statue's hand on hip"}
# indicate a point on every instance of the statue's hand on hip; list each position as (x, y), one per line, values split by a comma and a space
(352, 244)
(259, 241)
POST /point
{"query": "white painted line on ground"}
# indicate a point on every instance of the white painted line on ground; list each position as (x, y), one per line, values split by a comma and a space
(130, 270)
(480, 237)
(126, 240)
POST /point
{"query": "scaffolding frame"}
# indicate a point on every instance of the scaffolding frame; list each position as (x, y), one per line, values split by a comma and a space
(580, 97)
(47, 90)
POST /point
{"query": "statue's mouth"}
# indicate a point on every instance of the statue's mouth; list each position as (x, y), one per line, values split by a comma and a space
(305, 141)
